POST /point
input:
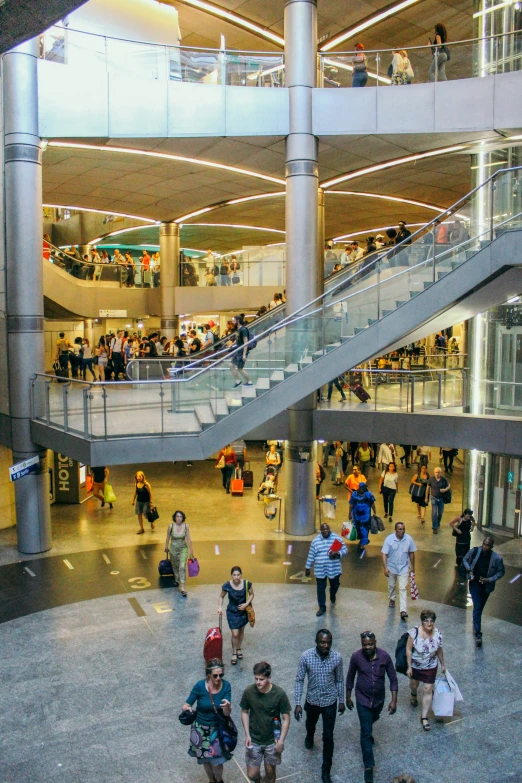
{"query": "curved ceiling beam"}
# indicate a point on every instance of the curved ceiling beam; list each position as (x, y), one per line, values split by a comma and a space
(165, 156)
(188, 225)
(236, 19)
(367, 22)
(103, 212)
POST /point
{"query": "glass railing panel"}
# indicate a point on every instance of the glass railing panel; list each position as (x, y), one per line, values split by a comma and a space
(253, 69)
(196, 66)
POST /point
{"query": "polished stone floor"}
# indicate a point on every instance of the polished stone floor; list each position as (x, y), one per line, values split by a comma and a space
(91, 692)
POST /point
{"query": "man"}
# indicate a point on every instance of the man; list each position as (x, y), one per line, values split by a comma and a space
(398, 558)
(117, 355)
(208, 337)
(239, 353)
(356, 252)
(437, 486)
(324, 668)
(118, 258)
(387, 453)
(265, 714)
(353, 481)
(362, 505)
(195, 345)
(402, 234)
(337, 382)
(99, 475)
(484, 567)
(327, 564)
(370, 664)
(62, 352)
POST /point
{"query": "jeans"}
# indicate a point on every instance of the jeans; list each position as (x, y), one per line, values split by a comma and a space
(359, 78)
(479, 596)
(438, 64)
(367, 717)
(388, 496)
(118, 364)
(227, 472)
(87, 364)
(402, 580)
(337, 386)
(437, 510)
(321, 590)
(329, 714)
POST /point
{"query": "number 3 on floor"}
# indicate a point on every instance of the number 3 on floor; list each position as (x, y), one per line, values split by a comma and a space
(140, 583)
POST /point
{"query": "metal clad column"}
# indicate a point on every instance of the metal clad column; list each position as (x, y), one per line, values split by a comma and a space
(24, 282)
(303, 278)
(169, 278)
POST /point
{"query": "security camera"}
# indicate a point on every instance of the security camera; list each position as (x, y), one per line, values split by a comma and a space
(304, 456)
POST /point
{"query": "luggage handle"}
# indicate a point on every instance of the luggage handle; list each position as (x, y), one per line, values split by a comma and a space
(220, 622)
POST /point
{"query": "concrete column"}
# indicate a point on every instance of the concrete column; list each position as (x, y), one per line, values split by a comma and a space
(303, 272)
(24, 284)
(88, 330)
(169, 257)
(320, 241)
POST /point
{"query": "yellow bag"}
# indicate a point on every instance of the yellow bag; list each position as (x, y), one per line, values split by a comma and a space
(108, 494)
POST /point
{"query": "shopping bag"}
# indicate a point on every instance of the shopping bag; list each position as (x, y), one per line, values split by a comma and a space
(192, 566)
(108, 494)
(329, 506)
(336, 546)
(152, 514)
(443, 699)
(414, 593)
(353, 533)
(334, 474)
(454, 688)
(346, 529)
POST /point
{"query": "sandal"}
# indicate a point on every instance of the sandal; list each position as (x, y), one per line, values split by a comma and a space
(183, 593)
(152, 527)
(413, 699)
(391, 604)
(140, 532)
(239, 653)
(425, 724)
(233, 660)
(419, 516)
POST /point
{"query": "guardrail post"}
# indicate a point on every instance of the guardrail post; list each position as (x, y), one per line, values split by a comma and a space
(377, 69)
(104, 397)
(464, 389)
(433, 245)
(86, 413)
(161, 404)
(379, 290)
(492, 188)
(439, 390)
(412, 396)
(65, 411)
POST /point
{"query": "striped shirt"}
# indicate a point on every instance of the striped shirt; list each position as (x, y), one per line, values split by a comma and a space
(325, 678)
(318, 556)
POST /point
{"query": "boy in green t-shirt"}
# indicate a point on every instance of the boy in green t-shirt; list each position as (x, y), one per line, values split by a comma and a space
(265, 713)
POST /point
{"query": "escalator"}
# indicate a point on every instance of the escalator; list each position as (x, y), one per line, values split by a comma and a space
(398, 297)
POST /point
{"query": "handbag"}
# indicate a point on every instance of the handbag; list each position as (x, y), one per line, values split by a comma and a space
(108, 494)
(446, 497)
(250, 609)
(152, 514)
(221, 462)
(374, 528)
(227, 730)
(192, 566)
(187, 717)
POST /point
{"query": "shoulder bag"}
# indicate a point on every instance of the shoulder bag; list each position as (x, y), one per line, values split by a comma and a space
(227, 730)
(250, 609)
(221, 462)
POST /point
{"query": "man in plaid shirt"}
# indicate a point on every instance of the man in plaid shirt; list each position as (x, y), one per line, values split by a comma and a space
(324, 668)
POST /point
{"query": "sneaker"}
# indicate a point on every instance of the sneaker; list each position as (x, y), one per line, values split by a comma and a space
(368, 775)
(320, 611)
(237, 383)
(190, 464)
(248, 383)
(478, 639)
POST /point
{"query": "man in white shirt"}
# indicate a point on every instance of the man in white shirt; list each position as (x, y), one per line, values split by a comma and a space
(387, 453)
(116, 354)
(356, 252)
(398, 557)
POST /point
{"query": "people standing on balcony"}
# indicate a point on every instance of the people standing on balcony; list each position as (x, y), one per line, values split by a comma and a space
(227, 462)
(129, 270)
(360, 70)
(388, 488)
(224, 272)
(240, 351)
(102, 355)
(142, 499)
(438, 486)
(235, 268)
(440, 54)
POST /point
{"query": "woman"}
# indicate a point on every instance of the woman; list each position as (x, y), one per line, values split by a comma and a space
(224, 274)
(142, 499)
(360, 71)
(423, 652)
(400, 68)
(238, 600)
(363, 457)
(338, 471)
(211, 694)
(273, 458)
(227, 457)
(440, 54)
(419, 491)
(75, 357)
(179, 545)
(87, 359)
(129, 269)
(463, 527)
(102, 354)
(406, 457)
(388, 487)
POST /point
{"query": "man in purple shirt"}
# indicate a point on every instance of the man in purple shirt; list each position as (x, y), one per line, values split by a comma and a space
(370, 664)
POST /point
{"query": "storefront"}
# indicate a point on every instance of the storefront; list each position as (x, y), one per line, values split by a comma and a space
(499, 494)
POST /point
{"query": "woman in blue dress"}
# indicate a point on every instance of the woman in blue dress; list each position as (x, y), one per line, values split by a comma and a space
(211, 694)
(239, 597)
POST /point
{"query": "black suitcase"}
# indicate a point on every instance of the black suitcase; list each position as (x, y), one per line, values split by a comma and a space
(165, 568)
(359, 392)
(61, 373)
(248, 478)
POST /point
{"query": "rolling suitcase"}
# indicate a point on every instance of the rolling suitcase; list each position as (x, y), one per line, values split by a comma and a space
(61, 373)
(165, 568)
(359, 392)
(248, 478)
(237, 484)
(213, 647)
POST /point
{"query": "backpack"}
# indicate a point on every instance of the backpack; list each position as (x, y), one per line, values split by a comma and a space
(322, 472)
(390, 70)
(401, 661)
(252, 337)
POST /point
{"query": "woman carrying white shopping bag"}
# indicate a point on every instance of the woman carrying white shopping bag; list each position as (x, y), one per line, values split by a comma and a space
(423, 652)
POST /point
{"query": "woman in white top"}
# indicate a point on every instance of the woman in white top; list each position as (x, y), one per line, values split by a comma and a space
(388, 487)
(87, 359)
(402, 72)
(423, 653)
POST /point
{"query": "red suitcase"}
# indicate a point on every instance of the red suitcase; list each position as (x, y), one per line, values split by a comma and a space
(359, 392)
(213, 647)
(237, 484)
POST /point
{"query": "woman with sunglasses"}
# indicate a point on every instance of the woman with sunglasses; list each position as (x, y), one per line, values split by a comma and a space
(240, 596)
(211, 694)
(423, 652)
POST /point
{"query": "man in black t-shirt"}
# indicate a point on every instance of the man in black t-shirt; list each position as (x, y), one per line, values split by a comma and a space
(99, 474)
(240, 353)
(195, 345)
(402, 234)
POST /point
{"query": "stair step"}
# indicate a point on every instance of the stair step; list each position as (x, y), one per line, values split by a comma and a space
(387, 312)
(277, 376)
(233, 398)
(291, 369)
(219, 408)
(414, 293)
(247, 392)
(262, 384)
(306, 360)
(332, 346)
(359, 329)
(427, 284)
(372, 321)
(205, 414)
(399, 302)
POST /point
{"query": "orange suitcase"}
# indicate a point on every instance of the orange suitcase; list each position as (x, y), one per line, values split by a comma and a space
(237, 484)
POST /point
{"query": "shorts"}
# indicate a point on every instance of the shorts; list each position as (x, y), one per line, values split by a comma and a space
(141, 507)
(238, 361)
(255, 755)
(102, 361)
(97, 486)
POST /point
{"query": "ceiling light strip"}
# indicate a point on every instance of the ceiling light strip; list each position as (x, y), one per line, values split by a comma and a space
(423, 204)
(102, 212)
(370, 21)
(164, 156)
(236, 19)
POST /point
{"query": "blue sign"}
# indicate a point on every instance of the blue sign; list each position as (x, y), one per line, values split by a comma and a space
(23, 472)
(22, 469)
(511, 477)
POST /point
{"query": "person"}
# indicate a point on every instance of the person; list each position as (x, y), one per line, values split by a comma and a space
(340, 456)
(356, 252)
(353, 481)
(448, 455)
(403, 234)
(224, 272)
(387, 453)
(327, 564)
(423, 653)
(102, 354)
(265, 715)
(337, 382)
(437, 487)
(240, 449)
(388, 488)
(211, 694)
(320, 476)
(240, 352)
(63, 346)
(364, 456)
(195, 345)
(398, 558)
(324, 696)
(240, 595)
(440, 54)
(116, 354)
(273, 457)
(227, 471)
(463, 527)
(267, 486)
(406, 457)
(362, 505)
(360, 71)
(483, 568)
(87, 359)
(419, 491)
(423, 456)
(100, 474)
(142, 499)
(208, 337)
(179, 545)
(371, 247)
(370, 665)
